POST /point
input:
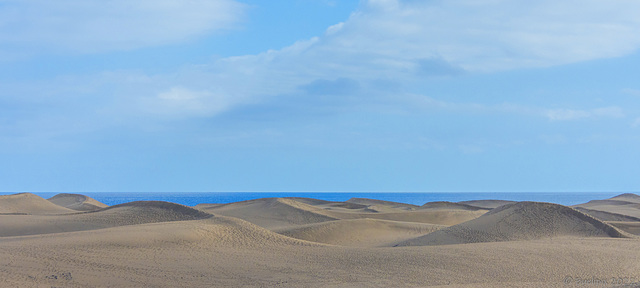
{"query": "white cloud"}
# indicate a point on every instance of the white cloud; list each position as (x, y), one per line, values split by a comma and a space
(179, 101)
(569, 114)
(96, 26)
(634, 92)
(636, 123)
(384, 44)
(405, 41)
(494, 34)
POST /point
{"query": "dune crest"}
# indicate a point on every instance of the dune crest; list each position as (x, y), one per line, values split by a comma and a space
(133, 213)
(375, 202)
(607, 216)
(487, 204)
(360, 232)
(76, 202)
(521, 221)
(628, 197)
(449, 205)
(156, 211)
(28, 203)
(272, 213)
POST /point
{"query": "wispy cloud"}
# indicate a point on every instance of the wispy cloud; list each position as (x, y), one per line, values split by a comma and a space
(385, 46)
(402, 42)
(635, 92)
(570, 114)
(91, 26)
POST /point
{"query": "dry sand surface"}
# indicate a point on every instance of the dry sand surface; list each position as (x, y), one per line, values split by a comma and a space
(301, 242)
(76, 202)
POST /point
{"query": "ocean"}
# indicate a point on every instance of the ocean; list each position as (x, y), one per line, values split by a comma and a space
(193, 198)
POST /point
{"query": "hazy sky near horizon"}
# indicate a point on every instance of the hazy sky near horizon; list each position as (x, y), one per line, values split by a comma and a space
(319, 95)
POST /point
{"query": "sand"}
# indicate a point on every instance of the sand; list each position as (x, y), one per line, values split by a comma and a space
(301, 242)
(76, 202)
(521, 221)
(487, 204)
(27, 203)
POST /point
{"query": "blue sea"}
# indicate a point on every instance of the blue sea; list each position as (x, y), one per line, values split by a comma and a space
(192, 198)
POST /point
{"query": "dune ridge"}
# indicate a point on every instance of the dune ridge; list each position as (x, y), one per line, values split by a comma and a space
(487, 204)
(28, 203)
(132, 213)
(360, 232)
(374, 202)
(272, 213)
(76, 202)
(449, 205)
(318, 244)
(607, 216)
(521, 221)
(628, 197)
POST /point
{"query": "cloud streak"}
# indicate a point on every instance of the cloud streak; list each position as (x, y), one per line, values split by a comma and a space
(405, 42)
(570, 115)
(94, 26)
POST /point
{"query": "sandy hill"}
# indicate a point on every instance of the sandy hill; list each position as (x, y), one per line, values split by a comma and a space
(607, 216)
(622, 207)
(520, 221)
(76, 202)
(487, 204)
(283, 213)
(632, 227)
(153, 211)
(272, 213)
(132, 213)
(449, 205)
(628, 197)
(330, 205)
(428, 216)
(374, 202)
(360, 232)
(27, 203)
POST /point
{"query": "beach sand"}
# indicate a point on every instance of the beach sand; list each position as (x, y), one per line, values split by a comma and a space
(72, 240)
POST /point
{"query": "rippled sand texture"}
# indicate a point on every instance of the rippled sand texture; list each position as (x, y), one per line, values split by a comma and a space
(71, 240)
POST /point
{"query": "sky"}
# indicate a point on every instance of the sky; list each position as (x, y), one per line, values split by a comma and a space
(319, 95)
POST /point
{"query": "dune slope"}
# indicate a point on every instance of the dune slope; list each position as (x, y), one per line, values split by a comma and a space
(520, 221)
(76, 202)
(628, 197)
(375, 202)
(607, 216)
(272, 213)
(27, 203)
(449, 205)
(487, 204)
(360, 232)
(132, 213)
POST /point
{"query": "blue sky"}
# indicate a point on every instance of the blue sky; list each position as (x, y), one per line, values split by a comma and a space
(319, 95)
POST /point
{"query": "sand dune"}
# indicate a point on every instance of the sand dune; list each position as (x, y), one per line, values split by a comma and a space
(283, 213)
(132, 213)
(520, 221)
(360, 232)
(160, 244)
(606, 216)
(272, 213)
(627, 226)
(224, 252)
(76, 202)
(427, 216)
(449, 205)
(27, 203)
(374, 202)
(487, 204)
(631, 209)
(628, 197)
